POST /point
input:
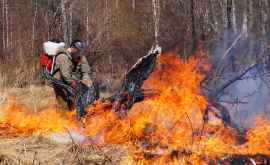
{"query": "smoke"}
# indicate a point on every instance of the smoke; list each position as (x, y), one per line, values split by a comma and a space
(250, 96)
(68, 137)
(247, 98)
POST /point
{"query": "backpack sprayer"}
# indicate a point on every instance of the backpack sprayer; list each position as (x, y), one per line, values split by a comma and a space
(52, 49)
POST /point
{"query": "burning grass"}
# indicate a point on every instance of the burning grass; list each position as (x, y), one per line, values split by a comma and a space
(167, 128)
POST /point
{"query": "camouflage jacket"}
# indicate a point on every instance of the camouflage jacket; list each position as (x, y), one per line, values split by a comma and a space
(68, 70)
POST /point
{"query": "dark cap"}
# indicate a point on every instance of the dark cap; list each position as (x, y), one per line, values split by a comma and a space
(78, 44)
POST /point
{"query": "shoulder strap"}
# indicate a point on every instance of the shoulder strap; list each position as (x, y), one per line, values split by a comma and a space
(58, 69)
(62, 53)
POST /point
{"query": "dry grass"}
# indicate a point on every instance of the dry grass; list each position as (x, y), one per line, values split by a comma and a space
(41, 150)
(34, 98)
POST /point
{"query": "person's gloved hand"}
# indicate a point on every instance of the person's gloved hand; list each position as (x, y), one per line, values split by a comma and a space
(74, 84)
(88, 83)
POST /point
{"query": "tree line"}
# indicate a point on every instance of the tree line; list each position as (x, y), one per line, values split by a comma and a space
(118, 32)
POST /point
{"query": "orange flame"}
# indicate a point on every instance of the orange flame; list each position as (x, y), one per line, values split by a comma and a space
(18, 121)
(162, 123)
(165, 128)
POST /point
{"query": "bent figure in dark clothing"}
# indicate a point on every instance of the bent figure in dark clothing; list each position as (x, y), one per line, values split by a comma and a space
(70, 77)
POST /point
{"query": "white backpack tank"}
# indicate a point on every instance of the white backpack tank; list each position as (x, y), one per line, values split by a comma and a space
(52, 48)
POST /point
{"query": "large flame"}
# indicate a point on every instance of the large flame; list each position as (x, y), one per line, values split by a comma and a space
(17, 121)
(167, 127)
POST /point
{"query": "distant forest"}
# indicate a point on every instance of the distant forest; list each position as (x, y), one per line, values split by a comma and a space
(118, 32)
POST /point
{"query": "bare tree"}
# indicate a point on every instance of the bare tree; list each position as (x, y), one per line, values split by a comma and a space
(3, 24)
(87, 22)
(134, 5)
(34, 27)
(65, 20)
(193, 22)
(7, 23)
(233, 13)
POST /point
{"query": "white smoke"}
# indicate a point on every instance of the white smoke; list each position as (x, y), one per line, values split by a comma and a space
(68, 136)
(248, 97)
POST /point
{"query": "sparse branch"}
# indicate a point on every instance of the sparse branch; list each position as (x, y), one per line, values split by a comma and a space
(230, 82)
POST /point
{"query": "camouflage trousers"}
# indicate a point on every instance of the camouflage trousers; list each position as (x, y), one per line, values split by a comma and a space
(64, 100)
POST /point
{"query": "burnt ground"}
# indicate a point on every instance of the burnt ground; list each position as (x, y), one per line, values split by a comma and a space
(245, 160)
